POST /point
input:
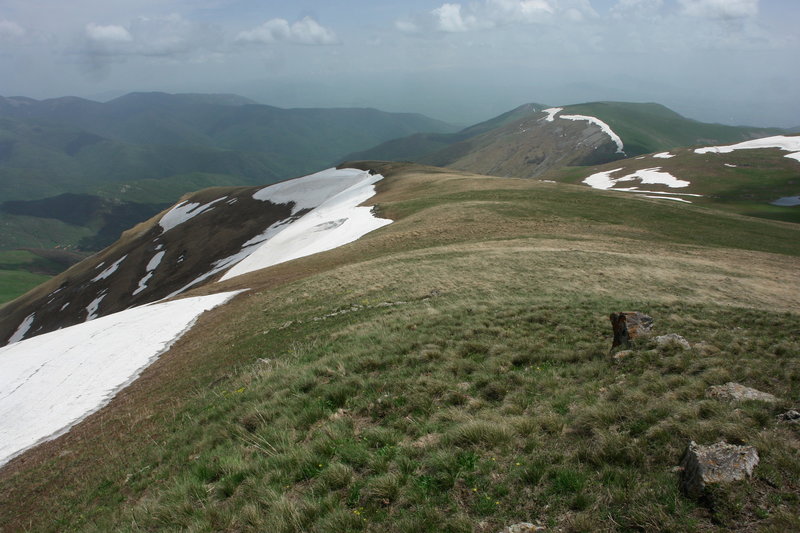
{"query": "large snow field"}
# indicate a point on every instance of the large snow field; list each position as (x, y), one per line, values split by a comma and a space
(789, 144)
(51, 382)
(336, 220)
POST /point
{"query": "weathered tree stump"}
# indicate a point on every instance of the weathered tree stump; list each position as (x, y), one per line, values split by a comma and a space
(629, 325)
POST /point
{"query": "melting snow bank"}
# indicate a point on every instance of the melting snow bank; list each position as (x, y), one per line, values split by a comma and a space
(789, 144)
(648, 176)
(603, 126)
(551, 113)
(335, 220)
(184, 211)
(51, 382)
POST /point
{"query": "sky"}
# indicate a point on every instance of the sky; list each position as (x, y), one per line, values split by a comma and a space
(728, 61)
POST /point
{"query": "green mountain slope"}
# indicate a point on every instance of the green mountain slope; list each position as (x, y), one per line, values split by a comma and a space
(416, 146)
(646, 128)
(450, 372)
(747, 182)
(151, 148)
(522, 143)
(39, 160)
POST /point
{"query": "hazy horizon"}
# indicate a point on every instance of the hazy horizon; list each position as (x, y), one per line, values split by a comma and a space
(727, 61)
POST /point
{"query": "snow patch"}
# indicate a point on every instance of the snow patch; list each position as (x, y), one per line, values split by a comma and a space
(648, 176)
(22, 329)
(551, 113)
(730, 165)
(788, 144)
(603, 126)
(184, 211)
(313, 190)
(664, 155)
(91, 309)
(110, 270)
(149, 271)
(51, 382)
(335, 221)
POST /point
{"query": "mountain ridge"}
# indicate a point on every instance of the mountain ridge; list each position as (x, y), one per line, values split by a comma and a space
(451, 370)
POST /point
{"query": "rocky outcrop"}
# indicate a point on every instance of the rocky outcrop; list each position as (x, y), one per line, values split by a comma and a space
(716, 463)
(736, 392)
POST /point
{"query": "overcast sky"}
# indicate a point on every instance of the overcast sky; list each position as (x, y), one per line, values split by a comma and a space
(731, 61)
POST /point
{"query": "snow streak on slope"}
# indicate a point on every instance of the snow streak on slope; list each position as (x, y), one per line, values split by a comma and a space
(551, 113)
(335, 221)
(149, 270)
(51, 382)
(22, 329)
(603, 126)
(184, 211)
(110, 270)
(789, 144)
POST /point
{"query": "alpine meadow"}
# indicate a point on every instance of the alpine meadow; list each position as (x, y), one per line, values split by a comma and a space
(337, 268)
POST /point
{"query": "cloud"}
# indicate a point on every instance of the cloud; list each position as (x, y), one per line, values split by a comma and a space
(305, 31)
(719, 8)
(489, 14)
(108, 34)
(167, 38)
(449, 19)
(11, 30)
(636, 8)
(506, 11)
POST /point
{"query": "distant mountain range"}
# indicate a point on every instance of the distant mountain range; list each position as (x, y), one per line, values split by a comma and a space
(75, 173)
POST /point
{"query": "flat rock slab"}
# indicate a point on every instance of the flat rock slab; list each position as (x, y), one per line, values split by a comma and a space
(736, 391)
(716, 463)
(673, 339)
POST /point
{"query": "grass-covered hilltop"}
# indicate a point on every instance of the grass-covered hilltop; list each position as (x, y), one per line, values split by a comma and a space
(450, 372)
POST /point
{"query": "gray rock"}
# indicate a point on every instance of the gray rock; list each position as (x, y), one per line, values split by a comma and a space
(673, 339)
(522, 527)
(791, 415)
(716, 463)
(736, 392)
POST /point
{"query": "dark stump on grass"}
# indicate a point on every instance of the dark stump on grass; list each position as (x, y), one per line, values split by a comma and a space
(629, 325)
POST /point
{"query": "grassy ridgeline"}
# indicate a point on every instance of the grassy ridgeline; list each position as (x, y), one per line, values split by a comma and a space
(451, 373)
